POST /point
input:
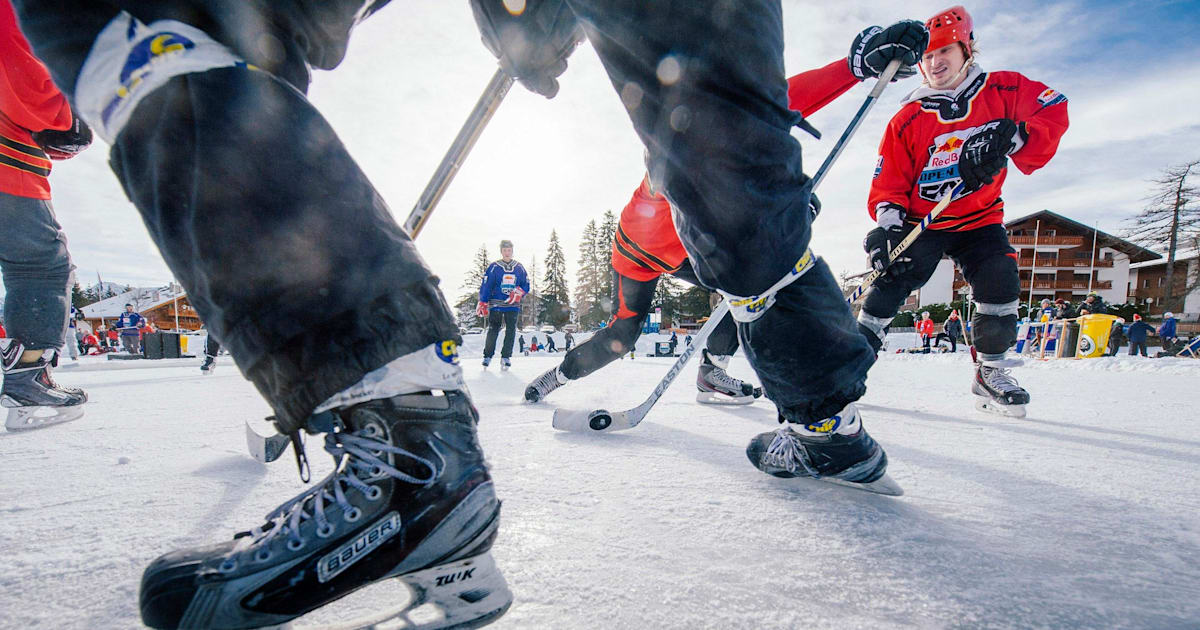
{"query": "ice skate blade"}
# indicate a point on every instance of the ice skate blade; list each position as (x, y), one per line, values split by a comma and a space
(884, 485)
(29, 418)
(987, 405)
(598, 421)
(265, 449)
(468, 593)
(714, 398)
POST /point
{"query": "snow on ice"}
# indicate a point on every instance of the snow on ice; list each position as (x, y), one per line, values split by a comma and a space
(1082, 515)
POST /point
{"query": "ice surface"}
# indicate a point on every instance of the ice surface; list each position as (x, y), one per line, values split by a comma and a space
(1082, 515)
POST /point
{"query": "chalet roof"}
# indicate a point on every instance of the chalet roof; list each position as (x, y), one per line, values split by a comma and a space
(1163, 262)
(1136, 252)
(144, 299)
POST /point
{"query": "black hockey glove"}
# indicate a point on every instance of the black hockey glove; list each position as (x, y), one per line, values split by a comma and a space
(879, 244)
(873, 48)
(66, 144)
(814, 206)
(533, 46)
(985, 152)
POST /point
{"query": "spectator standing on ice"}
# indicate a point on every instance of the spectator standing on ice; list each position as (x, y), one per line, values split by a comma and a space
(504, 284)
(1138, 332)
(1093, 304)
(128, 323)
(925, 329)
(1116, 336)
(568, 341)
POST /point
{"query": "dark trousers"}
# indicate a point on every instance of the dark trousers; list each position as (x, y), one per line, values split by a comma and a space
(720, 145)
(632, 300)
(265, 219)
(1136, 347)
(295, 236)
(947, 337)
(989, 265)
(925, 339)
(211, 346)
(496, 319)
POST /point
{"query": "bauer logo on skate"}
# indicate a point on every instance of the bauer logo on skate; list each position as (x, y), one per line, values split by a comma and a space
(341, 558)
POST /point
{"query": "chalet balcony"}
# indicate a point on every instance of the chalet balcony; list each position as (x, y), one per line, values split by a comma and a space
(1054, 263)
(1072, 285)
(1065, 241)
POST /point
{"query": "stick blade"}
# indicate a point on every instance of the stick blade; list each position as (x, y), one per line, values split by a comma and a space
(265, 449)
(596, 421)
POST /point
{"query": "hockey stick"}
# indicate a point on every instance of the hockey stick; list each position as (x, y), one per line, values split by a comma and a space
(602, 420)
(489, 101)
(904, 244)
(269, 448)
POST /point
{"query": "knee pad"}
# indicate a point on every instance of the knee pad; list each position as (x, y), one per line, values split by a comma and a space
(994, 334)
(873, 328)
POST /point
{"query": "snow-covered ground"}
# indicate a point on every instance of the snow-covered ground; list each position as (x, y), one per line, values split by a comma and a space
(1083, 515)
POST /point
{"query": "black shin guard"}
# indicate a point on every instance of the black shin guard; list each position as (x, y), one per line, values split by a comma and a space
(994, 334)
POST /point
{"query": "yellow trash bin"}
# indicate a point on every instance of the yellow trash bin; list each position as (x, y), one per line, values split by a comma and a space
(1093, 335)
(183, 344)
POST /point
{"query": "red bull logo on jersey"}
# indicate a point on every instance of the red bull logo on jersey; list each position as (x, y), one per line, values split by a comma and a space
(1050, 97)
(878, 167)
(941, 171)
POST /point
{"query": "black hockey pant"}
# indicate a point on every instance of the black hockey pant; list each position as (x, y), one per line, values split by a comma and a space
(988, 263)
(497, 319)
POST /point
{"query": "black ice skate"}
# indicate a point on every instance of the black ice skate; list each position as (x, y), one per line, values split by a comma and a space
(410, 499)
(505, 364)
(30, 394)
(717, 387)
(544, 384)
(486, 362)
(995, 389)
(210, 365)
(838, 450)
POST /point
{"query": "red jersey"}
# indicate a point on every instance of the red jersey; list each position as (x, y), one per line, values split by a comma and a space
(918, 157)
(646, 244)
(29, 102)
(925, 327)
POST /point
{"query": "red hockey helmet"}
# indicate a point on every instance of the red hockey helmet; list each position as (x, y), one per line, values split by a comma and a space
(949, 26)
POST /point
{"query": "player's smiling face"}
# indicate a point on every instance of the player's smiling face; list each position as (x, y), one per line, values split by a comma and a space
(942, 66)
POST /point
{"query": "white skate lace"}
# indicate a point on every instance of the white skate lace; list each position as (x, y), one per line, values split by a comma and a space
(719, 377)
(787, 452)
(999, 379)
(354, 455)
(547, 382)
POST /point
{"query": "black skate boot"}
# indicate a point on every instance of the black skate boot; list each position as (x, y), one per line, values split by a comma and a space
(30, 394)
(210, 365)
(717, 387)
(838, 450)
(410, 498)
(544, 384)
(505, 363)
(486, 362)
(996, 391)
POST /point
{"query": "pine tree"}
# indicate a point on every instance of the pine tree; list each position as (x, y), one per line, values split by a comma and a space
(666, 297)
(530, 314)
(604, 244)
(556, 297)
(464, 308)
(587, 303)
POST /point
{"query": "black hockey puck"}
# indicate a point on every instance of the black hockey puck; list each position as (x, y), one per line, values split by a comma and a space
(599, 420)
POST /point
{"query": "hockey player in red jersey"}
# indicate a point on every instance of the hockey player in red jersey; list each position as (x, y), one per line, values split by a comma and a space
(962, 126)
(647, 246)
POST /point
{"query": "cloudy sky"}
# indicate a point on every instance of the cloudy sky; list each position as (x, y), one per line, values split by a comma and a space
(415, 70)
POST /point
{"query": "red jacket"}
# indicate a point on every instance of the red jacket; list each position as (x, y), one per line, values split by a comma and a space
(646, 244)
(29, 102)
(925, 327)
(918, 157)
(2, 333)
